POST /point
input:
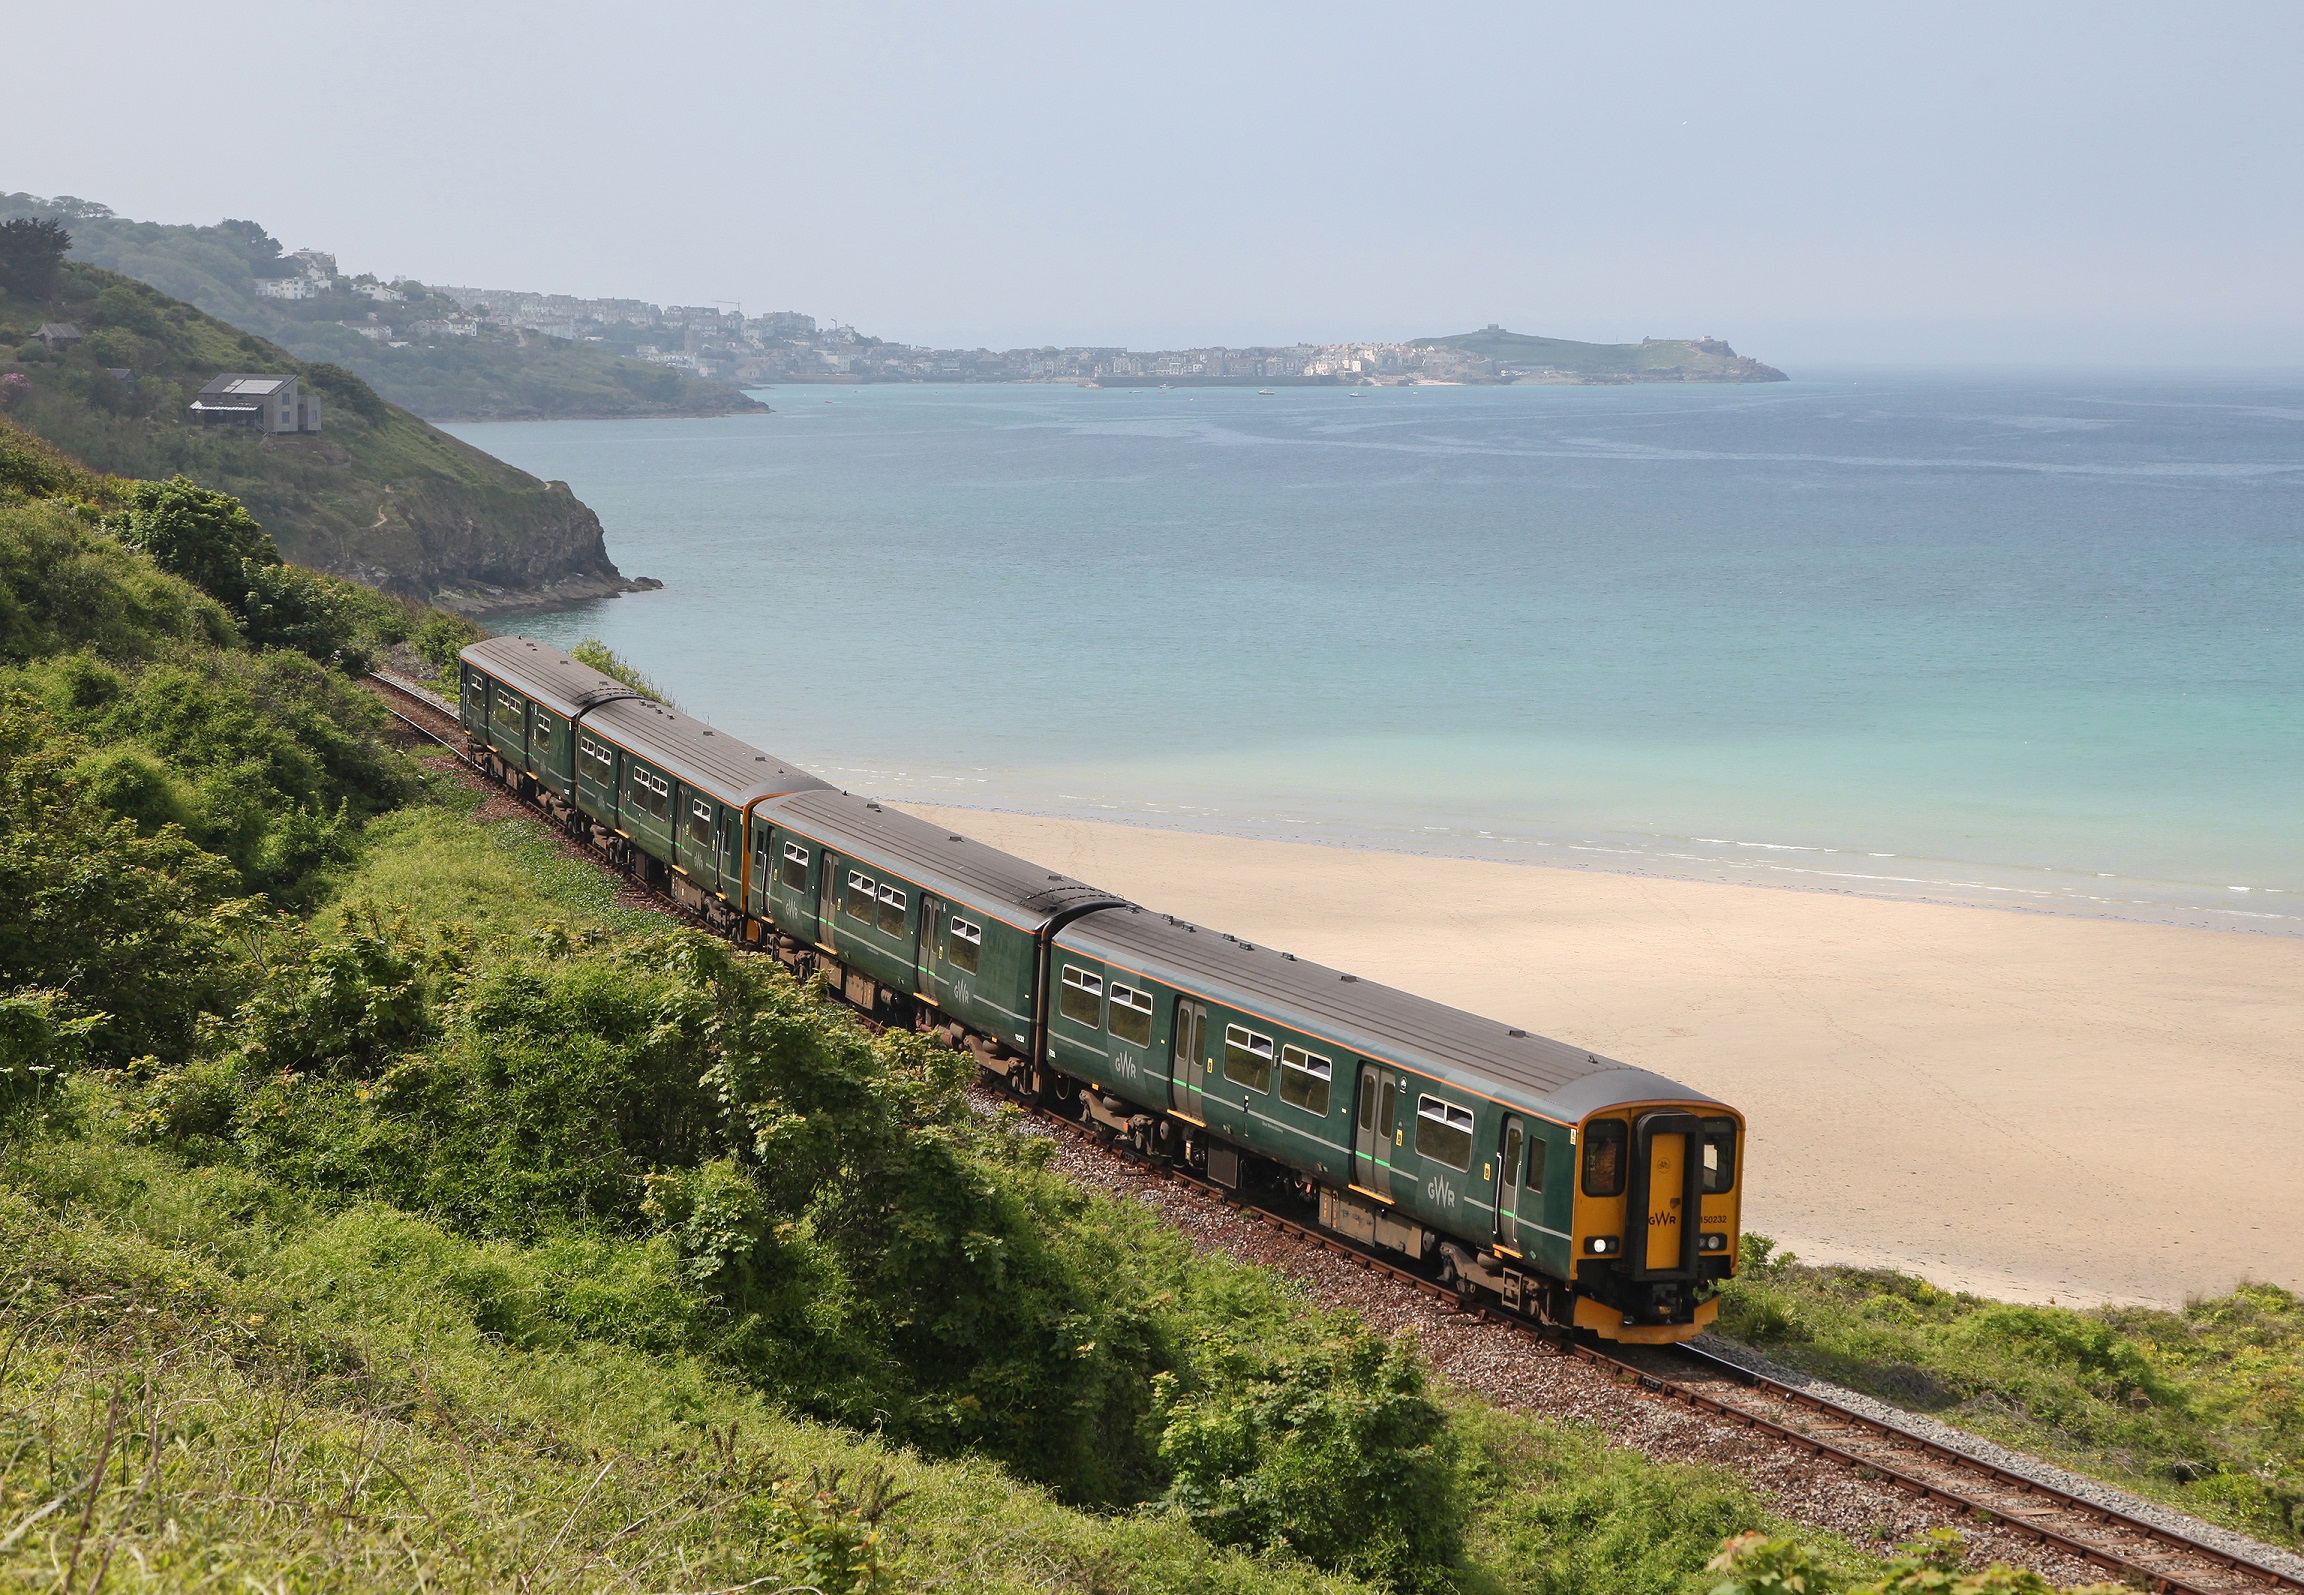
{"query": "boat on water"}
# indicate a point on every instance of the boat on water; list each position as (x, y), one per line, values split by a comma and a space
(1264, 393)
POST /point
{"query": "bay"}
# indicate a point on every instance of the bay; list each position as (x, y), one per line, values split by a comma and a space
(2033, 640)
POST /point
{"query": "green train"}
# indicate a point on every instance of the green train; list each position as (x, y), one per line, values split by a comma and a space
(1573, 1188)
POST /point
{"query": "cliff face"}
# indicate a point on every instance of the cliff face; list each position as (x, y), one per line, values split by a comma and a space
(378, 494)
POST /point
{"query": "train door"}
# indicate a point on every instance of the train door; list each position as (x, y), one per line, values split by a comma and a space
(1372, 1129)
(1665, 1167)
(935, 927)
(1511, 1153)
(827, 896)
(1188, 1075)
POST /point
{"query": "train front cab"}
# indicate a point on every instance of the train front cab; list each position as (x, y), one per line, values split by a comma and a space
(1639, 1266)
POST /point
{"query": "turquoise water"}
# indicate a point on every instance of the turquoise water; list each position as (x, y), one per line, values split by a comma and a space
(2036, 641)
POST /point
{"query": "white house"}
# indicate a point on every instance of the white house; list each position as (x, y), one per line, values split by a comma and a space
(259, 403)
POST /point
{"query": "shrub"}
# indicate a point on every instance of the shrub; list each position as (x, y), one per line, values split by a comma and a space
(206, 537)
(1335, 1453)
(592, 651)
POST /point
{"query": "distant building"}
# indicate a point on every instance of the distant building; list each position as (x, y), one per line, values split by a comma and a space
(259, 403)
(316, 263)
(449, 327)
(289, 288)
(56, 334)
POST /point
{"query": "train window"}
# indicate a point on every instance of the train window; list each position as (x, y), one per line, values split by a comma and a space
(1304, 1078)
(1604, 1157)
(599, 762)
(1443, 1132)
(546, 726)
(511, 713)
(1719, 1154)
(1247, 1058)
(652, 793)
(1536, 1156)
(892, 904)
(700, 823)
(1081, 999)
(796, 866)
(967, 945)
(1131, 1015)
(863, 897)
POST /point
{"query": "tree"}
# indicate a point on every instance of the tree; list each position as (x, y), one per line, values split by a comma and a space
(31, 251)
(204, 536)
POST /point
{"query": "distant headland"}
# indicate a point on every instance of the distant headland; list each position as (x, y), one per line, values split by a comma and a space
(498, 354)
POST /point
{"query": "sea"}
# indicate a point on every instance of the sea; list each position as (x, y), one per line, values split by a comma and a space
(2027, 640)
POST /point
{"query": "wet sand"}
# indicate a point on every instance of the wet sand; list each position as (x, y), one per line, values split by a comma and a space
(2030, 1106)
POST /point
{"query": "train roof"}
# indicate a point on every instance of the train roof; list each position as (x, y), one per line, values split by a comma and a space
(546, 674)
(1379, 1022)
(1025, 894)
(731, 769)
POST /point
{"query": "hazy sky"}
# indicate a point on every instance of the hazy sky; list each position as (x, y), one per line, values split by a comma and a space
(1814, 183)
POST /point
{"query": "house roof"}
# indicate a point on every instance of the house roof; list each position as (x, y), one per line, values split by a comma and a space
(244, 385)
(58, 329)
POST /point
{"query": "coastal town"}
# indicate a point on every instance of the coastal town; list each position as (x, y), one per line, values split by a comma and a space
(721, 343)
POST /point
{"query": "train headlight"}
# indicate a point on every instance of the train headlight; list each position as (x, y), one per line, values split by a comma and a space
(1712, 1243)
(1600, 1245)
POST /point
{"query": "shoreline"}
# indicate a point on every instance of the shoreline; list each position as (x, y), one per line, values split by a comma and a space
(1989, 898)
(2033, 1105)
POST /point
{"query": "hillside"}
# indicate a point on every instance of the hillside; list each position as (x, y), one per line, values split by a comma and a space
(1649, 360)
(492, 374)
(378, 494)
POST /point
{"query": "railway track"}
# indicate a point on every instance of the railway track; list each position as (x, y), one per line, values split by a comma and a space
(2147, 1554)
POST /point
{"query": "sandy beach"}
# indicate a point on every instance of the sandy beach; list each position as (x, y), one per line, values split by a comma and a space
(2028, 1106)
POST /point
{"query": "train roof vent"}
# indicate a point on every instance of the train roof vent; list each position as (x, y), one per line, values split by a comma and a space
(1520, 1033)
(1351, 978)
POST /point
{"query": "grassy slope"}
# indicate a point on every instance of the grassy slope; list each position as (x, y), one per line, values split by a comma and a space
(345, 1396)
(540, 378)
(1675, 356)
(378, 495)
(2202, 1409)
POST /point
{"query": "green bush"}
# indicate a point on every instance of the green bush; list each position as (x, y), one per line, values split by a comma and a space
(1334, 1452)
(592, 651)
(135, 927)
(1756, 1564)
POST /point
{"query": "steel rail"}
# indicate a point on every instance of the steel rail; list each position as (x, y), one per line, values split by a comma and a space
(1630, 1374)
(1626, 1373)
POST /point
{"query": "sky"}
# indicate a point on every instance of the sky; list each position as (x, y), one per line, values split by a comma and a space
(2043, 183)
